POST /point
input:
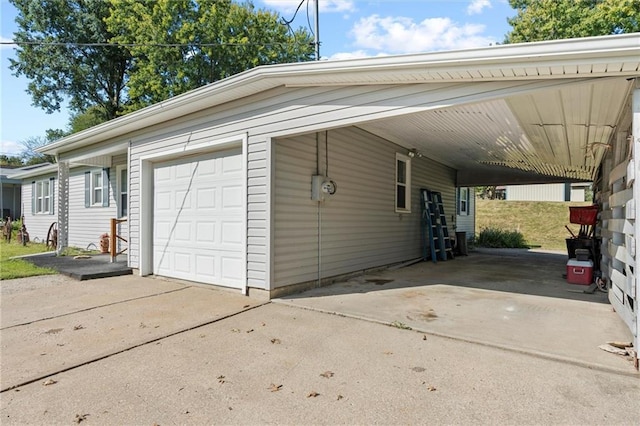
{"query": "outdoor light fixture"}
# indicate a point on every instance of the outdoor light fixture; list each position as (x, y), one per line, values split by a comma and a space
(414, 153)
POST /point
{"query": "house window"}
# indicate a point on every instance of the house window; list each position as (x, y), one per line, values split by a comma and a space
(463, 201)
(403, 184)
(96, 188)
(122, 192)
(42, 196)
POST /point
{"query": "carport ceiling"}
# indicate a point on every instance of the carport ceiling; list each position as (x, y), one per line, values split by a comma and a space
(546, 136)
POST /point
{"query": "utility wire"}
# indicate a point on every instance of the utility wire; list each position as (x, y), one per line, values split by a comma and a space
(106, 44)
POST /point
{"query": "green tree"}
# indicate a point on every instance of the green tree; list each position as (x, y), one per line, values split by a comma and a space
(538, 20)
(179, 45)
(93, 116)
(57, 52)
(11, 161)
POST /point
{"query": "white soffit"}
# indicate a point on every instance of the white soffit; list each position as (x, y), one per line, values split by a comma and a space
(562, 132)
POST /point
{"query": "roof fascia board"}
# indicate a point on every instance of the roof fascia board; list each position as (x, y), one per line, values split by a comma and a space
(581, 50)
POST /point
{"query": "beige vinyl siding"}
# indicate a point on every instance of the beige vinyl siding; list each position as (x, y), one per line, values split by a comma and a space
(359, 228)
(38, 224)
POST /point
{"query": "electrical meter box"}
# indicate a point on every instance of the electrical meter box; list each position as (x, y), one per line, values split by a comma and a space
(322, 187)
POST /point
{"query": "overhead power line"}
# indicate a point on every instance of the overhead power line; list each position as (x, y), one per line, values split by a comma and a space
(107, 44)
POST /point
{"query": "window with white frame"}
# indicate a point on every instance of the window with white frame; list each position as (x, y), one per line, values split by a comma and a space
(122, 192)
(42, 196)
(463, 201)
(96, 188)
(403, 184)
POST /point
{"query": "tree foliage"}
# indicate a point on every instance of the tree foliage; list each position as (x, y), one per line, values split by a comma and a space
(109, 57)
(538, 20)
(179, 45)
(52, 53)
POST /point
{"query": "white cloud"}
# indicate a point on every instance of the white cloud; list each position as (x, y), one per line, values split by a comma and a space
(477, 6)
(11, 147)
(350, 55)
(6, 40)
(403, 35)
(289, 6)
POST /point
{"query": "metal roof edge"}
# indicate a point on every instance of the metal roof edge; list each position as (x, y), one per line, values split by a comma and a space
(36, 172)
(281, 74)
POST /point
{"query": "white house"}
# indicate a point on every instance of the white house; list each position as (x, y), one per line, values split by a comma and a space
(566, 191)
(219, 184)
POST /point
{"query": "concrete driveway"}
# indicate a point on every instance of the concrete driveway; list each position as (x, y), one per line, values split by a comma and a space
(131, 350)
(510, 299)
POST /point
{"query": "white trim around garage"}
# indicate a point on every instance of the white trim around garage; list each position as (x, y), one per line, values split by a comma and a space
(146, 164)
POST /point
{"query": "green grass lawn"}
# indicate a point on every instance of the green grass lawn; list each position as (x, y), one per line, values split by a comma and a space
(17, 268)
(541, 223)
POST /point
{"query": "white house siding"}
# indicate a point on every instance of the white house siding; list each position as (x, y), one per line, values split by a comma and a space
(467, 222)
(259, 118)
(38, 224)
(544, 192)
(86, 224)
(258, 160)
(578, 194)
(357, 228)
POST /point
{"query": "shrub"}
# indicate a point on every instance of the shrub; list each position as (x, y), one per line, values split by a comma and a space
(500, 238)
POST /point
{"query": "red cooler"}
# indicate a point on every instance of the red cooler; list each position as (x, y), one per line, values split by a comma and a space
(580, 272)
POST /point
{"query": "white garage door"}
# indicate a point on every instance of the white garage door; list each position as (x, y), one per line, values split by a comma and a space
(198, 227)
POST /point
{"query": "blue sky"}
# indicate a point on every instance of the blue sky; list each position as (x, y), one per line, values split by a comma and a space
(348, 28)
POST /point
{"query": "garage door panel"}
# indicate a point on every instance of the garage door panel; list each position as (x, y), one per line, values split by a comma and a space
(199, 219)
(231, 267)
(206, 232)
(231, 233)
(231, 164)
(206, 198)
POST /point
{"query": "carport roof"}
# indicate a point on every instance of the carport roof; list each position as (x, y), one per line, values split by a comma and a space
(556, 128)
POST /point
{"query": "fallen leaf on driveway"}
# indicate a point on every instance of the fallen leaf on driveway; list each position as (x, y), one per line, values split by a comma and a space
(388, 353)
(275, 341)
(49, 382)
(313, 395)
(424, 337)
(327, 374)
(620, 345)
(80, 418)
(78, 327)
(221, 379)
(613, 349)
(245, 306)
(340, 397)
(250, 331)
(274, 387)
(418, 369)
(235, 330)
(431, 388)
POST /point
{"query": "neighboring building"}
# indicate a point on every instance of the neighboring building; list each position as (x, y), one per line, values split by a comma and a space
(575, 192)
(11, 190)
(285, 177)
